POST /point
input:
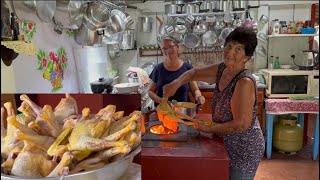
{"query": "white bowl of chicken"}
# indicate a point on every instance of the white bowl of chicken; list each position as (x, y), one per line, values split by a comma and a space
(37, 145)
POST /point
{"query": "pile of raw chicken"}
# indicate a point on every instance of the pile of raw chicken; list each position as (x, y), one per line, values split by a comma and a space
(47, 142)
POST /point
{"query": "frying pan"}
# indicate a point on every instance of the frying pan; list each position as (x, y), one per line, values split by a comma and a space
(191, 40)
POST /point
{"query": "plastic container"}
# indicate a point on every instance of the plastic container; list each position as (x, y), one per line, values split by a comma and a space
(308, 30)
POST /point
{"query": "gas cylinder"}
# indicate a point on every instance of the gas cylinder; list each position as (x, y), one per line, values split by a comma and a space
(287, 134)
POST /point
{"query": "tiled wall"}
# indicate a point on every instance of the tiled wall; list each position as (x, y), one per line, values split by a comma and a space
(282, 47)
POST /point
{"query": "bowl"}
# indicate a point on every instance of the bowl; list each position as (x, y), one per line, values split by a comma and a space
(127, 88)
(110, 171)
(285, 66)
(308, 30)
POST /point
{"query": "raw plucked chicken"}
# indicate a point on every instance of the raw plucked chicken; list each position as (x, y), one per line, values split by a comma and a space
(42, 142)
(66, 107)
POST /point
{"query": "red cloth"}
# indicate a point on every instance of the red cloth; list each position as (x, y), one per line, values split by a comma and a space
(286, 106)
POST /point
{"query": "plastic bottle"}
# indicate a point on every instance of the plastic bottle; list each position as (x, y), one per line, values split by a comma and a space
(277, 63)
(276, 27)
(271, 63)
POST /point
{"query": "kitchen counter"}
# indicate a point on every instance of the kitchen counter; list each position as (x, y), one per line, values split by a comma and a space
(208, 160)
(209, 88)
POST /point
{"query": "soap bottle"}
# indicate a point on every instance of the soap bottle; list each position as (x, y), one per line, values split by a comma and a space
(276, 27)
(277, 63)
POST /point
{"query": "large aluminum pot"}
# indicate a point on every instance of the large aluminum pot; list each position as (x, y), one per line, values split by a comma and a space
(239, 5)
(69, 13)
(186, 108)
(88, 37)
(111, 171)
(146, 24)
(34, 11)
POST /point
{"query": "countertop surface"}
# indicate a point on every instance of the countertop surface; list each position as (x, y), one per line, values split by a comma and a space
(210, 88)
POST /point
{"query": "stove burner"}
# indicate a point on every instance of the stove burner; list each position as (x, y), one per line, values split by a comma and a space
(179, 136)
(160, 129)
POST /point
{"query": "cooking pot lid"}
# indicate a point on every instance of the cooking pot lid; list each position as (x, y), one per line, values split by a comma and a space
(102, 81)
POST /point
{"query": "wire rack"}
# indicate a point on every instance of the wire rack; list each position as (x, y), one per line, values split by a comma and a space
(119, 6)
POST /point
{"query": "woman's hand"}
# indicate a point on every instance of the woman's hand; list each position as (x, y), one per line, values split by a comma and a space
(200, 100)
(201, 127)
(170, 89)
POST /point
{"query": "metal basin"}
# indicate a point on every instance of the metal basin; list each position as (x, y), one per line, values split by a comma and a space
(111, 171)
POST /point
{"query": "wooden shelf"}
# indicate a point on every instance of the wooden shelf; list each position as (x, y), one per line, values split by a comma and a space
(292, 35)
(150, 52)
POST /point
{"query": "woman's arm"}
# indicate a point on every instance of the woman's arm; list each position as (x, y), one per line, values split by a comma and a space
(242, 104)
(196, 92)
(206, 74)
(153, 92)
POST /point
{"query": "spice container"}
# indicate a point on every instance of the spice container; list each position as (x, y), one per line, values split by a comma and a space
(291, 27)
(283, 29)
(299, 25)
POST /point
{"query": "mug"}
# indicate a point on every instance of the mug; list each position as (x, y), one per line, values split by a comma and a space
(263, 37)
(264, 19)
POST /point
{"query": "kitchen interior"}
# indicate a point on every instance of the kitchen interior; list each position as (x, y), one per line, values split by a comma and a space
(117, 47)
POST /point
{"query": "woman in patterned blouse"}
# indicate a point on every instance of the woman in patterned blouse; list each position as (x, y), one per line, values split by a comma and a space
(234, 104)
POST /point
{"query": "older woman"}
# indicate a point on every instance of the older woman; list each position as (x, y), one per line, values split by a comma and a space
(234, 104)
(169, 70)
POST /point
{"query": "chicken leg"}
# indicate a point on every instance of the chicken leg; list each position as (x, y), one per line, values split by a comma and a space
(46, 120)
(66, 107)
(35, 108)
(65, 161)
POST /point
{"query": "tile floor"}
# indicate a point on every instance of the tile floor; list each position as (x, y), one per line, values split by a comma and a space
(281, 166)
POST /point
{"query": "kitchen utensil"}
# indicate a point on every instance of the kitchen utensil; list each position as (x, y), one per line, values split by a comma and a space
(191, 8)
(101, 85)
(127, 88)
(88, 37)
(34, 11)
(215, 5)
(181, 8)
(209, 38)
(161, 30)
(205, 7)
(191, 40)
(227, 18)
(264, 19)
(224, 5)
(186, 108)
(128, 39)
(170, 8)
(262, 37)
(114, 170)
(69, 14)
(146, 24)
(224, 34)
(239, 5)
(310, 60)
(285, 66)
(118, 20)
(96, 15)
(189, 19)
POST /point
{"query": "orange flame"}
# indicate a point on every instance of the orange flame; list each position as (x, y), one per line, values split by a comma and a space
(160, 129)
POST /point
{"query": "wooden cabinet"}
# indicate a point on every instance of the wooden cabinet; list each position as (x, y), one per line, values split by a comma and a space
(207, 107)
(260, 102)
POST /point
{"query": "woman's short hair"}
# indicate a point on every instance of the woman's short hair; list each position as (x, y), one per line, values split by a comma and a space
(244, 36)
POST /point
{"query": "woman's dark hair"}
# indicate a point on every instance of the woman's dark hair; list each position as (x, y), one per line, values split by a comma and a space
(244, 36)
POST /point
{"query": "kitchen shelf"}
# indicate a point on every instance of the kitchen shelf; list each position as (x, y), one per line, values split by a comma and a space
(292, 35)
(150, 52)
(206, 14)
